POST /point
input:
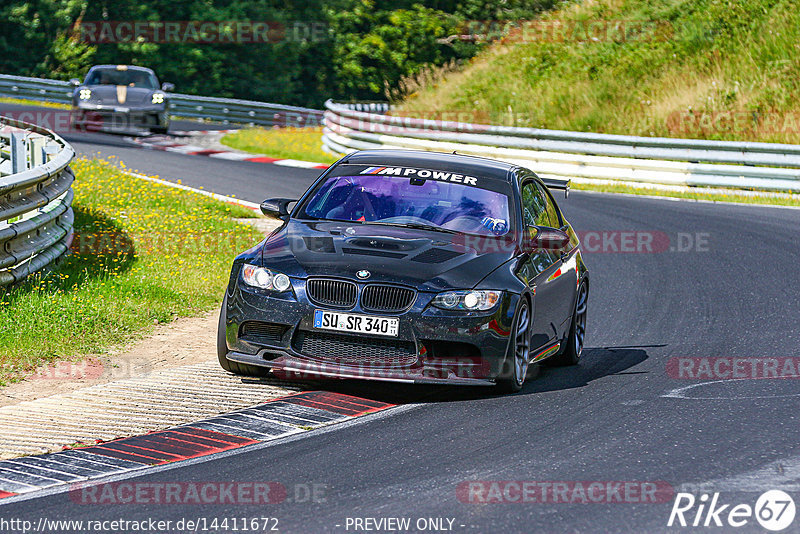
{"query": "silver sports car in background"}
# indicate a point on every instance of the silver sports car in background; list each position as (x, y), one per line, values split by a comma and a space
(120, 98)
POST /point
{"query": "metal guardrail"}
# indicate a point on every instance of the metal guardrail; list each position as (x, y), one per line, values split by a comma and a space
(36, 217)
(222, 110)
(575, 155)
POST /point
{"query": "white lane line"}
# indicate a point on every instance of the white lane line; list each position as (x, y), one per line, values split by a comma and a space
(223, 198)
(680, 393)
(185, 148)
(297, 163)
(235, 156)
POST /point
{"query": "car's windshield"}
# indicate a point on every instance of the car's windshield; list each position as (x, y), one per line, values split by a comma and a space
(404, 201)
(131, 78)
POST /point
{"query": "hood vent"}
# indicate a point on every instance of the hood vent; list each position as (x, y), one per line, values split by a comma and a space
(371, 252)
(436, 255)
(320, 244)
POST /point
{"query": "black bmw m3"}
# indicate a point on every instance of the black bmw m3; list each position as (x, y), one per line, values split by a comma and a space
(414, 267)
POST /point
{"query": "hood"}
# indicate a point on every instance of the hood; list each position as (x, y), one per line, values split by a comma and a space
(120, 95)
(427, 260)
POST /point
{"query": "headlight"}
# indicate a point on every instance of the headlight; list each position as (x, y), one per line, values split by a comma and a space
(265, 278)
(158, 98)
(85, 94)
(474, 300)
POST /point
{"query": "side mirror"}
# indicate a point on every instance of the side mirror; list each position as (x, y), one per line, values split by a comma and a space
(276, 207)
(167, 87)
(75, 82)
(544, 238)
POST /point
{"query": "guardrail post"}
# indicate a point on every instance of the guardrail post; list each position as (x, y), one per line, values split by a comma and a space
(19, 153)
(49, 150)
(36, 150)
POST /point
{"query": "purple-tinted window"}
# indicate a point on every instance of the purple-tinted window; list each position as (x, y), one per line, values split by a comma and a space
(411, 201)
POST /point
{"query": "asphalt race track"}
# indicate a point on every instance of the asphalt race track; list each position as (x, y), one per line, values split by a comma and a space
(719, 281)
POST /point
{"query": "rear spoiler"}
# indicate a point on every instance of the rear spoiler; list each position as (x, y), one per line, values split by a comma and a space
(554, 183)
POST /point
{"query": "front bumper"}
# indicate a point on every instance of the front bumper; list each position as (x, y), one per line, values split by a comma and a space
(294, 368)
(444, 347)
(119, 118)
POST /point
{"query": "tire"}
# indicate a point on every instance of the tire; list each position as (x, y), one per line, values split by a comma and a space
(222, 351)
(573, 348)
(519, 355)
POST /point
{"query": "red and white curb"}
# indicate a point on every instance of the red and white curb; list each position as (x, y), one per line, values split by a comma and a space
(170, 144)
(188, 133)
(271, 420)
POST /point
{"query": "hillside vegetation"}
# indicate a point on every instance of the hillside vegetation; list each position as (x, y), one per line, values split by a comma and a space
(714, 69)
(313, 50)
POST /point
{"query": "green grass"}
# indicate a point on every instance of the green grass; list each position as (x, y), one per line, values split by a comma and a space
(282, 143)
(37, 103)
(715, 69)
(144, 253)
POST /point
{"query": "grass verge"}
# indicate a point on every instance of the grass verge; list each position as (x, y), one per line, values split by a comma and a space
(698, 194)
(143, 253)
(282, 143)
(37, 103)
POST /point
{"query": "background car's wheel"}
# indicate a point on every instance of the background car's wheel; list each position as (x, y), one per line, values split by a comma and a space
(516, 368)
(222, 350)
(577, 332)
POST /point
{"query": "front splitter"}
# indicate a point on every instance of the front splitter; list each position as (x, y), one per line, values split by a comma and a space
(298, 369)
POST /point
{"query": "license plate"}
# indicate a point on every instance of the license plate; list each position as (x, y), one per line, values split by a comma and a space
(362, 324)
(122, 110)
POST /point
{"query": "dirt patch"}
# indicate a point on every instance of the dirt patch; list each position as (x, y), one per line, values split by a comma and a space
(184, 341)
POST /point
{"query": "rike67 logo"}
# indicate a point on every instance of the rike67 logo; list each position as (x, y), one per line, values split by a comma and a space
(774, 510)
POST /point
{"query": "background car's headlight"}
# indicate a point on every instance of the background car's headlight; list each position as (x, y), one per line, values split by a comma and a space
(471, 300)
(85, 94)
(158, 98)
(265, 278)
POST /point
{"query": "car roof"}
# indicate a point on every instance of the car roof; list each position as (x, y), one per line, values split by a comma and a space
(127, 67)
(461, 163)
